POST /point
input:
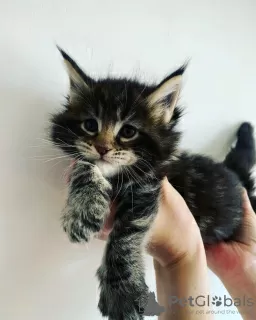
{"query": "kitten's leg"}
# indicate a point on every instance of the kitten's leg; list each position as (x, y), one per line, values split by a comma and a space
(124, 293)
(87, 204)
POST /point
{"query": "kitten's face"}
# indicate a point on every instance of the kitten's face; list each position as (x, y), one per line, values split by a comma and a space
(117, 124)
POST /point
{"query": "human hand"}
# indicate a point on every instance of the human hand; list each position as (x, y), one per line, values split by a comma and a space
(174, 236)
(230, 260)
(179, 257)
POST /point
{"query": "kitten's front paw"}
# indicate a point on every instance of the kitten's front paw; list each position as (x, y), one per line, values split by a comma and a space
(81, 222)
(125, 300)
(87, 205)
(75, 227)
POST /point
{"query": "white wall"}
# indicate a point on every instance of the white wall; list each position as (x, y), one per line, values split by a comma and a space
(42, 275)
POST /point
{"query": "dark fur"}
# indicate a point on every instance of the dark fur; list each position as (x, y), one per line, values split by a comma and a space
(242, 158)
(212, 192)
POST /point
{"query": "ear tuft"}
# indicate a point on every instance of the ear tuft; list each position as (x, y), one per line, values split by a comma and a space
(165, 96)
(63, 53)
(180, 71)
(79, 81)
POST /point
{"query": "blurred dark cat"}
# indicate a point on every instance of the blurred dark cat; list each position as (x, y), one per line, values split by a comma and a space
(123, 136)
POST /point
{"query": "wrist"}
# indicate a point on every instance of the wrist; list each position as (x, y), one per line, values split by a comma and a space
(194, 252)
(242, 289)
(183, 265)
(169, 257)
(187, 277)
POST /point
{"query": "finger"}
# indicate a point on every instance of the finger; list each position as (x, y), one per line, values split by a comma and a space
(173, 204)
(108, 224)
(247, 232)
(248, 210)
(110, 218)
(171, 195)
(103, 235)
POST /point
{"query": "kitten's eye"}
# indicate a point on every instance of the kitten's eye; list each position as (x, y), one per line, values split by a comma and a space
(90, 125)
(128, 132)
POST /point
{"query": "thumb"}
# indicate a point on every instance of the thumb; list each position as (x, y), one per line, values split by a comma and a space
(247, 206)
(170, 196)
(174, 207)
(248, 230)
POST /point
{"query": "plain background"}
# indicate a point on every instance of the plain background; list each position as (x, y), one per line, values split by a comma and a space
(42, 275)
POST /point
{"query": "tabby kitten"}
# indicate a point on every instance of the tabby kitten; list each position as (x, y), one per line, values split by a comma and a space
(123, 136)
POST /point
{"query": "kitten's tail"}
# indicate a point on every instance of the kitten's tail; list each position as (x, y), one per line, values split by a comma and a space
(242, 158)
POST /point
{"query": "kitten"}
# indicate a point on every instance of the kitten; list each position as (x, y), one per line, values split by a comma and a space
(124, 139)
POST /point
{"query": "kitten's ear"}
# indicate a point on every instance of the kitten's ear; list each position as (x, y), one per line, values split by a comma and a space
(165, 97)
(79, 81)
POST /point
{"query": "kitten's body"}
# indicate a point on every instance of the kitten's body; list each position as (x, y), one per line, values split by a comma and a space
(212, 193)
(124, 138)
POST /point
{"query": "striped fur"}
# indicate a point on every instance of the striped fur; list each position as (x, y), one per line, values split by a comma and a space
(130, 173)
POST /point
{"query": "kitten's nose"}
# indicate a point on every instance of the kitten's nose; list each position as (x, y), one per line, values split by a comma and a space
(102, 149)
